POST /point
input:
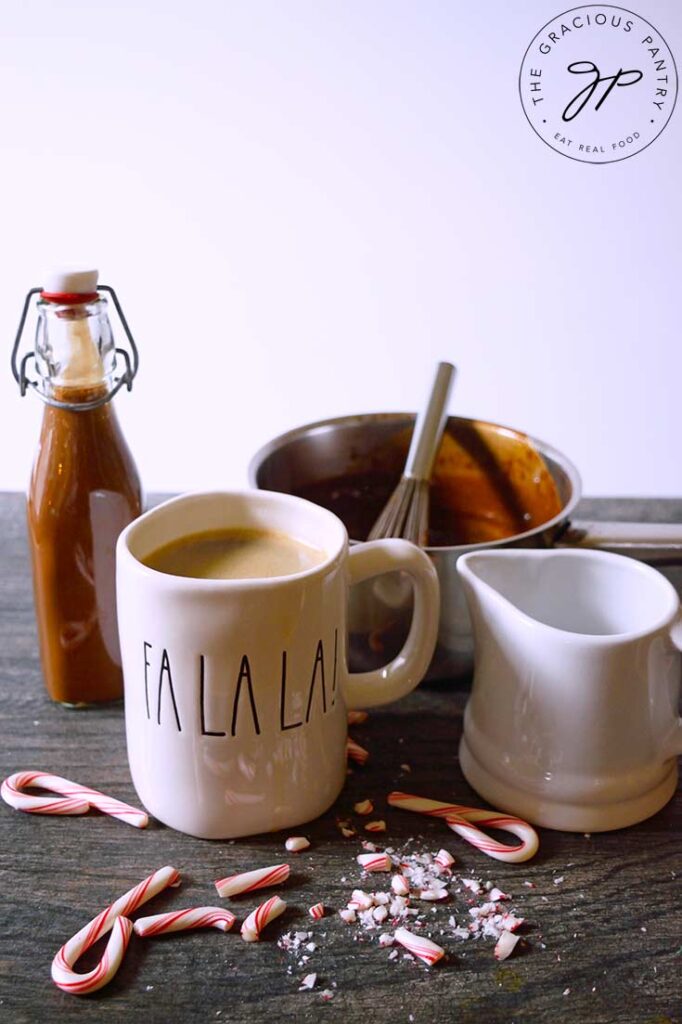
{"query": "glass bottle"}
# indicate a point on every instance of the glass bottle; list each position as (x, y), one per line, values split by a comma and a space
(84, 490)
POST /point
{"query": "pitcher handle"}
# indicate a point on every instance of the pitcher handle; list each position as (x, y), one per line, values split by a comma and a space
(407, 669)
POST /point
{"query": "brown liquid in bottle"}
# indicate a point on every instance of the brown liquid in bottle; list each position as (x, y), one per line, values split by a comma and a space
(84, 490)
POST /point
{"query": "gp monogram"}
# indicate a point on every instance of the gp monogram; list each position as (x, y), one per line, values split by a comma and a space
(598, 83)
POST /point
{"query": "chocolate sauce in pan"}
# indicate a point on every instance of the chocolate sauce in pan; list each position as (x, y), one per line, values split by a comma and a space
(484, 489)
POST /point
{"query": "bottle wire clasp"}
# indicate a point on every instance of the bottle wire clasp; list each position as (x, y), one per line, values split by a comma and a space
(130, 358)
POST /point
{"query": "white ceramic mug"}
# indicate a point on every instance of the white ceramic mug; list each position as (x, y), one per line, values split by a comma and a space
(573, 718)
(236, 691)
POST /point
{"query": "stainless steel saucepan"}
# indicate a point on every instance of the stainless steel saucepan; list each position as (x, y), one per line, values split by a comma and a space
(299, 460)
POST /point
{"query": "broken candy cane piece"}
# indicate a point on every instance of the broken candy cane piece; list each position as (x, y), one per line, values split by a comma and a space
(357, 717)
(295, 844)
(363, 807)
(375, 826)
(114, 918)
(419, 946)
(496, 895)
(308, 983)
(444, 859)
(316, 911)
(262, 916)
(506, 945)
(355, 752)
(400, 885)
(247, 881)
(73, 798)
(360, 900)
(184, 920)
(348, 915)
(374, 861)
(433, 894)
(473, 885)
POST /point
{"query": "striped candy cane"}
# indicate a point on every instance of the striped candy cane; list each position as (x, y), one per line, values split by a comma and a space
(73, 798)
(419, 945)
(374, 861)
(113, 918)
(262, 916)
(463, 820)
(247, 881)
(355, 752)
(184, 920)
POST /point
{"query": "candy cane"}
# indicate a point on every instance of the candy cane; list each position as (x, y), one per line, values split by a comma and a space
(419, 946)
(355, 752)
(113, 918)
(262, 916)
(400, 885)
(461, 820)
(294, 844)
(363, 807)
(247, 881)
(444, 859)
(73, 799)
(184, 920)
(374, 861)
(505, 945)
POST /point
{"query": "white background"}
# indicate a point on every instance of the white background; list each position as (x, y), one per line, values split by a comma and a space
(304, 205)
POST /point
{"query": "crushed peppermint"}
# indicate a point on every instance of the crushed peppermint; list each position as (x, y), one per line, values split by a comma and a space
(363, 807)
(422, 878)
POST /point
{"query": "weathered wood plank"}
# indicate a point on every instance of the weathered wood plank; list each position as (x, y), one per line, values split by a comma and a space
(603, 945)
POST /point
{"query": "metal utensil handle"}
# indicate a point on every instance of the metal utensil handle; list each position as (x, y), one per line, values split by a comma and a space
(429, 425)
(656, 543)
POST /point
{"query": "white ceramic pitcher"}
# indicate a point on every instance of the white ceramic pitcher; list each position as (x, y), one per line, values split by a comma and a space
(573, 717)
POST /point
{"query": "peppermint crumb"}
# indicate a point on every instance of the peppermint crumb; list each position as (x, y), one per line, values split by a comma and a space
(566, 992)
(558, 880)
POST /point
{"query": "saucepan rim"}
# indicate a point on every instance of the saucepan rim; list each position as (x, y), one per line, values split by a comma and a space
(561, 519)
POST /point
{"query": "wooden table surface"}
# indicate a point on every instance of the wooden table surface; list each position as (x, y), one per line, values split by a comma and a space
(603, 934)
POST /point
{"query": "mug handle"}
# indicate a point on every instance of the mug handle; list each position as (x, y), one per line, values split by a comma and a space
(407, 669)
(674, 745)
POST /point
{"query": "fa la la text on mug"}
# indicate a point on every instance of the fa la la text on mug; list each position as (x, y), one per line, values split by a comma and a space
(242, 691)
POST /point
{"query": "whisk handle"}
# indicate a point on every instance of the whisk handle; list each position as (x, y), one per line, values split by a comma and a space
(429, 426)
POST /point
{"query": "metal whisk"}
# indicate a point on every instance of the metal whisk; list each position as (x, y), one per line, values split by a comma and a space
(406, 513)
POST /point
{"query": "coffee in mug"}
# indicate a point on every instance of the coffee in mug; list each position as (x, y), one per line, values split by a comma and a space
(237, 689)
(236, 553)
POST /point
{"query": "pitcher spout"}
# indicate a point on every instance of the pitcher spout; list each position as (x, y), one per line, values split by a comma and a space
(504, 581)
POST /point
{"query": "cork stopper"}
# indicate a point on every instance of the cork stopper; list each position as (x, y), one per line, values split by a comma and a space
(75, 280)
